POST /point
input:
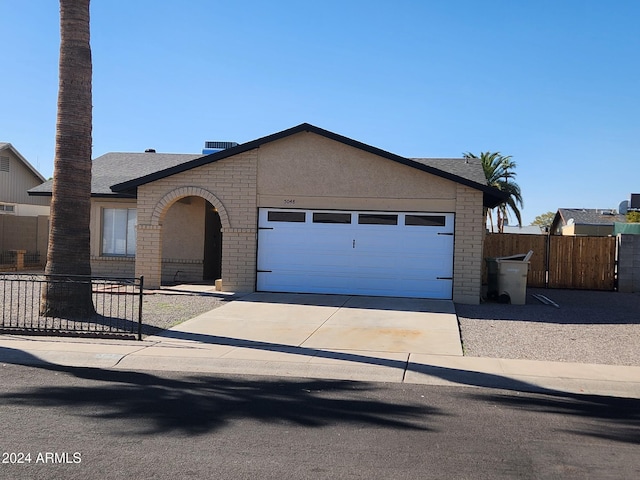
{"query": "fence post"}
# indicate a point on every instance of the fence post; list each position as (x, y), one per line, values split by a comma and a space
(140, 299)
(547, 259)
(19, 259)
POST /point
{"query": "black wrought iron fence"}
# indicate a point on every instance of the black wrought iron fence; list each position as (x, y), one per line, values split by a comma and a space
(9, 260)
(7, 257)
(33, 259)
(117, 305)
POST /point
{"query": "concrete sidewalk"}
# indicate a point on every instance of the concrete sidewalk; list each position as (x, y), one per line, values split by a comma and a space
(325, 336)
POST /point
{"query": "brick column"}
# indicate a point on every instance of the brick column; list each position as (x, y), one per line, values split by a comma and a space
(19, 258)
(149, 254)
(238, 259)
(467, 268)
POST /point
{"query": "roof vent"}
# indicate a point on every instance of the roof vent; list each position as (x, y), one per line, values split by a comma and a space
(215, 147)
(150, 150)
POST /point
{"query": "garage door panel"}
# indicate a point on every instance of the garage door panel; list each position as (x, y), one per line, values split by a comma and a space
(366, 259)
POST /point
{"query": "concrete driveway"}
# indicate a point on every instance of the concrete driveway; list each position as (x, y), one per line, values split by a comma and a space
(274, 327)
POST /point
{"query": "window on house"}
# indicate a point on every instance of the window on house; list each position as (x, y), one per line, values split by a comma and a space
(4, 208)
(377, 219)
(331, 217)
(119, 231)
(275, 216)
(426, 220)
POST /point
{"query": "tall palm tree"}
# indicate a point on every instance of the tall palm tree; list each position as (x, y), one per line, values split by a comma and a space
(499, 170)
(68, 250)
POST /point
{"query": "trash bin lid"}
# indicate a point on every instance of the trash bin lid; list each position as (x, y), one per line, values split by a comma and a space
(525, 257)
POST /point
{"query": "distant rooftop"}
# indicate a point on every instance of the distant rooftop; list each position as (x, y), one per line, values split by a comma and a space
(590, 216)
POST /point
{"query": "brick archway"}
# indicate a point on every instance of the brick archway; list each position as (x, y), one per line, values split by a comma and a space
(149, 236)
(168, 199)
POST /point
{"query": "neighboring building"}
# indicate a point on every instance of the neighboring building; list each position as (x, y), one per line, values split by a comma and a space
(17, 176)
(585, 222)
(24, 220)
(302, 210)
(522, 230)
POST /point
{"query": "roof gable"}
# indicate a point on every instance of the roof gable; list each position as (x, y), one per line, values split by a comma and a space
(31, 168)
(461, 171)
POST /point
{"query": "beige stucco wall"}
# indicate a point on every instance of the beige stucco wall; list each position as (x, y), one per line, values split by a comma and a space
(305, 171)
(310, 171)
(183, 237)
(587, 230)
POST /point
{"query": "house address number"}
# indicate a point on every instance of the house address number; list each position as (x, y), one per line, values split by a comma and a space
(289, 201)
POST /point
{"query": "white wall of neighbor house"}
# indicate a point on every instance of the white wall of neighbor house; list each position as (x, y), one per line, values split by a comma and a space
(25, 210)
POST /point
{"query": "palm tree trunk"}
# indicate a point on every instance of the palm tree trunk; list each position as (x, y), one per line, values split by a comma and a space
(68, 251)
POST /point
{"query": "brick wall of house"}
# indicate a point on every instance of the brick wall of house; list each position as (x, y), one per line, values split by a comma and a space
(113, 267)
(181, 271)
(467, 266)
(230, 185)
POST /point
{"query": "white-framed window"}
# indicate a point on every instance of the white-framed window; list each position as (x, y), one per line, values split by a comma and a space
(4, 208)
(119, 231)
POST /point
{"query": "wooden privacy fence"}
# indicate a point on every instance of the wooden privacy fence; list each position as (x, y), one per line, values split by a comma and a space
(560, 261)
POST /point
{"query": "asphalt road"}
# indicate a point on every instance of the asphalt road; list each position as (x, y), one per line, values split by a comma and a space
(81, 423)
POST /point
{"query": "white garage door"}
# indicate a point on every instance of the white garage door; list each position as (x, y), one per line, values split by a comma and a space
(359, 253)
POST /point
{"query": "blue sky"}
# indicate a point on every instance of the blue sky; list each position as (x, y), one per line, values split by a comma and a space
(553, 83)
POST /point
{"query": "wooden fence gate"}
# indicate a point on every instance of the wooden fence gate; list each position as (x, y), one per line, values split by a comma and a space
(560, 261)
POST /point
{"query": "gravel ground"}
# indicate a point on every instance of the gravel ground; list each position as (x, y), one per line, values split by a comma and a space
(589, 327)
(164, 309)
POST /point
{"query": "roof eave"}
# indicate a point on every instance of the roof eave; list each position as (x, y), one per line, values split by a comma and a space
(38, 194)
(491, 196)
(93, 195)
(25, 161)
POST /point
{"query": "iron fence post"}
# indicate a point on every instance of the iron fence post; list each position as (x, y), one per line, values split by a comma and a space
(140, 307)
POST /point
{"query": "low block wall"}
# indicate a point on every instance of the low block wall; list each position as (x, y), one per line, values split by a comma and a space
(113, 267)
(181, 271)
(628, 263)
